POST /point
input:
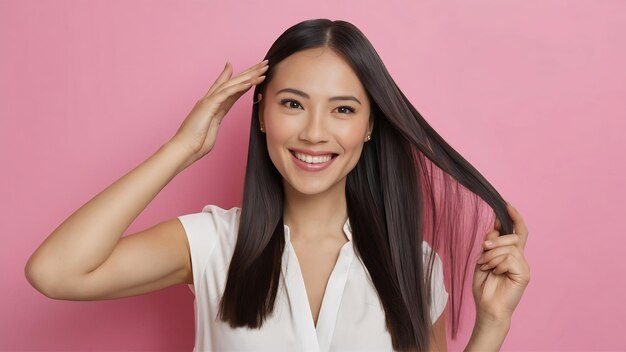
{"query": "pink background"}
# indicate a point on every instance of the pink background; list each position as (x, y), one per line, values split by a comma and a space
(533, 93)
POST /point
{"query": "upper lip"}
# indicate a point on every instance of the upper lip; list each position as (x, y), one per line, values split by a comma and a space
(312, 152)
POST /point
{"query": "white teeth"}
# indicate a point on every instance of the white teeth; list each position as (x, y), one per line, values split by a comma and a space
(313, 159)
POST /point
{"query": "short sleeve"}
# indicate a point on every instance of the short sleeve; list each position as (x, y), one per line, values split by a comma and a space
(438, 289)
(207, 230)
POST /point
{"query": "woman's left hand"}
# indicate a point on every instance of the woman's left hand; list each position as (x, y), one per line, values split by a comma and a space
(502, 273)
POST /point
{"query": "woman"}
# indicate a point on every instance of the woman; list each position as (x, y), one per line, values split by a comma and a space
(328, 250)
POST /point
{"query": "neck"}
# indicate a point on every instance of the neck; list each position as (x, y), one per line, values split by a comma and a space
(317, 216)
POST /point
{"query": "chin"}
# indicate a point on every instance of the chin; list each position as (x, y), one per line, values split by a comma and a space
(309, 188)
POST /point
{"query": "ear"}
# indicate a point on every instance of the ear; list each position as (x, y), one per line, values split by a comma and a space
(370, 128)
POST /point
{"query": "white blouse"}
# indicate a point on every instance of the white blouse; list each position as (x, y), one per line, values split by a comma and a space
(350, 318)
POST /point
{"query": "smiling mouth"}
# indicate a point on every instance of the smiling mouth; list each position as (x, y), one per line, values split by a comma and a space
(310, 159)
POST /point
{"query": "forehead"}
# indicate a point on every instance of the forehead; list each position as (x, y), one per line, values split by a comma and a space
(317, 71)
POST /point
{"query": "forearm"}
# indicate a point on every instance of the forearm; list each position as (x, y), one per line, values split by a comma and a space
(86, 238)
(488, 335)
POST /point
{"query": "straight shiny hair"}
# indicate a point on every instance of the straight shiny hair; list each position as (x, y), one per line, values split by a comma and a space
(409, 185)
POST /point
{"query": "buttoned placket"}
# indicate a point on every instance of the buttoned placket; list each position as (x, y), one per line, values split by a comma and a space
(316, 338)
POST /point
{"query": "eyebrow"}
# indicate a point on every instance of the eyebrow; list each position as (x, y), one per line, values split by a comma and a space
(304, 95)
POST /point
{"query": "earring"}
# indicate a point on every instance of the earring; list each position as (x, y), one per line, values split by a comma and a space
(368, 138)
(262, 129)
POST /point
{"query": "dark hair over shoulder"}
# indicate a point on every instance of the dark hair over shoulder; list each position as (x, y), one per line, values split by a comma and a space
(409, 185)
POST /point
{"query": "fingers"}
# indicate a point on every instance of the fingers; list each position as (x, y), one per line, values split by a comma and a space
(508, 250)
(504, 240)
(497, 249)
(505, 254)
(224, 80)
(516, 268)
(223, 77)
(493, 263)
(251, 75)
(227, 92)
(235, 90)
(510, 265)
(254, 67)
(492, 235)
(519, 226)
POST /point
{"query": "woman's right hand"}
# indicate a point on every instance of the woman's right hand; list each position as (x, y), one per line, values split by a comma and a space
(199, 129)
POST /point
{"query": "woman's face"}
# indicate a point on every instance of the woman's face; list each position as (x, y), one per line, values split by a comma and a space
(316, 116)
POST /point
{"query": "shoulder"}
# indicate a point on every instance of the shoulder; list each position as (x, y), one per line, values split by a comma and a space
(211, 219)
(213, 226)
(439, 294)
(431, 258)
(211, 236)
(428, 253)
(432, 261)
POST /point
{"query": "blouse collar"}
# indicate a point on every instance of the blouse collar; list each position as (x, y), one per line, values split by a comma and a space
(347, 229)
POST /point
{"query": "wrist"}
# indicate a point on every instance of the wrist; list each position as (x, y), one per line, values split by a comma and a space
(178, 151)
(492, 322)
(488, 333)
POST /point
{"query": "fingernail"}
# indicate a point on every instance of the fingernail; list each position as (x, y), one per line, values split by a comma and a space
(483, 267)
(488, 243)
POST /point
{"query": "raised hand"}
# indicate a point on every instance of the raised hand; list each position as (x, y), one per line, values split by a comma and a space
(198, 131)
(502, 273)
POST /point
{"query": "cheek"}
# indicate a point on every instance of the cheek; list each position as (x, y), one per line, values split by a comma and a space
(278, 132)
(352, 140)
(351, 136)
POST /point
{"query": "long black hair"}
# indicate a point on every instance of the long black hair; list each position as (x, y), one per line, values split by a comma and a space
(409, 185)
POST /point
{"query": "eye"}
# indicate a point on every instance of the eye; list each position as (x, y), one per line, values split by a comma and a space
(345, 109)
(290, 104)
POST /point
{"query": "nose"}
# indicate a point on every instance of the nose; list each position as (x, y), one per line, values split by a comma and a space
(314, 129)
